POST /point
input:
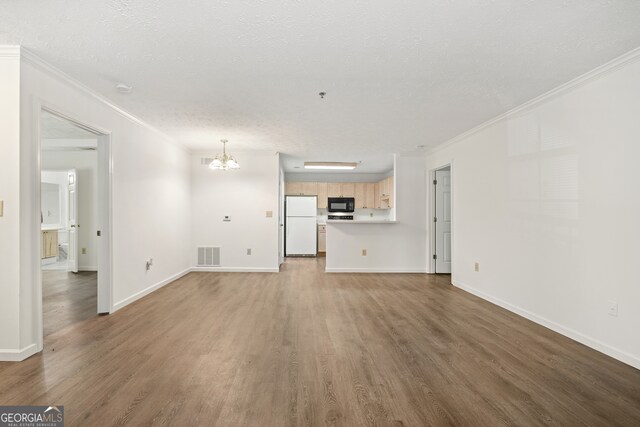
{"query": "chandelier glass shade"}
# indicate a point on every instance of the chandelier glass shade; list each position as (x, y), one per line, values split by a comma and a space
(224, 161)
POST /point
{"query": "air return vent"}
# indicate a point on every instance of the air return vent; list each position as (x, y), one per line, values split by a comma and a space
(206, 161)
(208, 256)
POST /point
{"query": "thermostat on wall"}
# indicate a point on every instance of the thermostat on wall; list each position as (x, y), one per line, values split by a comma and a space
(226, 218)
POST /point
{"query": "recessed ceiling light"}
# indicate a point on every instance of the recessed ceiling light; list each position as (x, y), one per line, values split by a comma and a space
(330, 165)
(123, 88)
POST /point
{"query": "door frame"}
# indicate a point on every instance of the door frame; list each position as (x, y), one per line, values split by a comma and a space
(104, 208)
(432, 213)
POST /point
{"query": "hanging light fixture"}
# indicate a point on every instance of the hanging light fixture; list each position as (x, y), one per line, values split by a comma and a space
(224, 161)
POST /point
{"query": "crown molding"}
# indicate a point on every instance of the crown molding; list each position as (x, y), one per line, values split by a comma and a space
(9, 51)
(49, 69)
(569, 86)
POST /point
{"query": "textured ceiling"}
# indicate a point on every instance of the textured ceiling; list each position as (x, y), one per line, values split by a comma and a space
(397, 74)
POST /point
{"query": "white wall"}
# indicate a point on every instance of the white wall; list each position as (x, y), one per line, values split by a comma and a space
(548, 201)
(245, 195)
(86, 164)
(10, 194)
(399, 247)
(54, 203)
(150, 198)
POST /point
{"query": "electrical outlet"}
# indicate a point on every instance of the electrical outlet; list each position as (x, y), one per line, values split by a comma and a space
(84, 251)
(249, 251)
(269, 214)
(1, 207)
(476, 266)
(371, 214)
(613, 308)
(364, 252)
(148, 266)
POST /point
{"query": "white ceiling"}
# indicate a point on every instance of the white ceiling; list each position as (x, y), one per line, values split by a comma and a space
(397, 74)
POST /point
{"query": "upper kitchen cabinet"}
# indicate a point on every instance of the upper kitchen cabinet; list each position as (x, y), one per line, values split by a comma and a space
(369, 195)
(386, 193)
(293, 188)
(301, 188)
(360, 195)
(334, 189)
(365, 195)
(323, 195)
(348, 189)
(309, 188)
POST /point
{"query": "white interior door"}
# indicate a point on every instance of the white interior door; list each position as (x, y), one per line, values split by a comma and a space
(72, 213)
(442, 221)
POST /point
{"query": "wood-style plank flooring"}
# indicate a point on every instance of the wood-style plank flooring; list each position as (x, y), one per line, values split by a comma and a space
(307, 348)
(68, 298)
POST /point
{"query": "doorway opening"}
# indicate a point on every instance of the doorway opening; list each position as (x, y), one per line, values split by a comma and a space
(75, 256)
(441, 225)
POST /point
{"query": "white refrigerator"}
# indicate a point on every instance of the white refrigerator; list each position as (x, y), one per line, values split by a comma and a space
(301, 231)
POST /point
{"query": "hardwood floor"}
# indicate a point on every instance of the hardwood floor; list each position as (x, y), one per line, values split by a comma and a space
(67, 298)
(307, 348)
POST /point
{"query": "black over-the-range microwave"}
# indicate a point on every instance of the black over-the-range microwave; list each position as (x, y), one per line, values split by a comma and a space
(341, 204)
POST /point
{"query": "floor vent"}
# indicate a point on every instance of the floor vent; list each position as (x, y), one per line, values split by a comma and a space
(208, 256)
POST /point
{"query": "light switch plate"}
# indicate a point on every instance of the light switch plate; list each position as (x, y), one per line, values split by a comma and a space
(269, 214)
(1, 207)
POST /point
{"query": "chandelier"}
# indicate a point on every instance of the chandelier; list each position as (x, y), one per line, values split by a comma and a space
(224, 161)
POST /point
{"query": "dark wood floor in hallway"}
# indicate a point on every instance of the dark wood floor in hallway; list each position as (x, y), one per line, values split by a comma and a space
(307, 348)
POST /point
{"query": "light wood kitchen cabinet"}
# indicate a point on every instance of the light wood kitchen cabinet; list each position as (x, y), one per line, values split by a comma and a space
(322, 195)
(293, 188)
(322, 239)
(49, 244)
(334, 189)
(341, 189)
(365, 195)
(309, 188)
(348, 189)
(301, 188)
(369, 195)
(361, 201)
(384, 193)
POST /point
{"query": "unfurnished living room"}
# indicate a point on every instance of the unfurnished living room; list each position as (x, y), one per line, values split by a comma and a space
(303, 213)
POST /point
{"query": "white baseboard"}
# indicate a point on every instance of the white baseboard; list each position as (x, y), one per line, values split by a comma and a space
(236, 269)
(117, 306)
(18, 355)
(87, 268)
(373, 270)
(568, 332)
